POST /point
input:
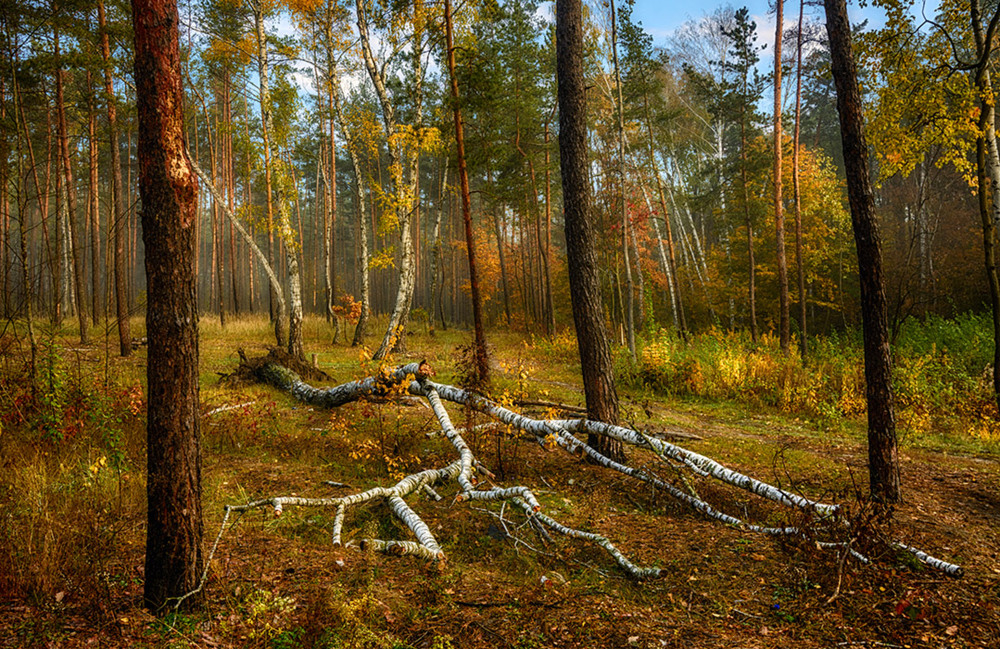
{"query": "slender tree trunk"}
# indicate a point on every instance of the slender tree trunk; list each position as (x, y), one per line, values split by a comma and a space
(595, 354)
(331, 268)
(94, 209)
(748, 222)
(629, 301)
(550, 312)
(482, 360)
(24, 227)
(58, 275)
(988, 162)
(803, 339)
(252, 246)
(883, 460)
(364, 254)
(118, 209)
(266, 117)
(394, 336)
(5, 241)
(784, 327)
(230, 182)
(218, 236)
(675, 293)
(169, 192)
(327, 234)
(75, 229)
(437, 268)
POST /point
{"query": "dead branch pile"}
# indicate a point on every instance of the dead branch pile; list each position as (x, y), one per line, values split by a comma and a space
(823, 523)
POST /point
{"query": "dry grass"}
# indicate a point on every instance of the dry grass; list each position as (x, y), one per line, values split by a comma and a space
(72, 528)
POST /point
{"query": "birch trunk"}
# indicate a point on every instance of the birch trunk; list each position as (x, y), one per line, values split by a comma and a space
(405, 195)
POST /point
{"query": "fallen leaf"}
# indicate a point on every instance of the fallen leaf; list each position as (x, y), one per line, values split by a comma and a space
(952, 630)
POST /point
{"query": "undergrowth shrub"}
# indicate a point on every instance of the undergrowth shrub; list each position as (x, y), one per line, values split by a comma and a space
(72, 487)
(942, 370)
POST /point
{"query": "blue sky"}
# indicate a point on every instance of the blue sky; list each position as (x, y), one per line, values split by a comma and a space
(661, 17)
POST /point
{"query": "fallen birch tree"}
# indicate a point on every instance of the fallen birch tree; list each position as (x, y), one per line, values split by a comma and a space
(823, 524)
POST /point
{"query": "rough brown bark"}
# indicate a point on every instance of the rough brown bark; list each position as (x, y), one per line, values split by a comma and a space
(118, 209)
(585, 294)
(169, 192)
(883, 460)
(482, 361)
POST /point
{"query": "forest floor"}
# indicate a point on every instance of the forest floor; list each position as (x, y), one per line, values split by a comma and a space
(72, 541)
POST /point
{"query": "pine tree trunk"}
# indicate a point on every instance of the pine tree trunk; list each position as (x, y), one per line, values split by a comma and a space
(803, 339)
(482, 360)
(550, 312)
(784, 327)
(169, 192)
(595, 354)
(118, 208)
(25, 228)
(58, 292)
(630, 289)
(749, 223)
(94, 208)
(75, 229)
(364, 236)
(257, 8)
(883, 460)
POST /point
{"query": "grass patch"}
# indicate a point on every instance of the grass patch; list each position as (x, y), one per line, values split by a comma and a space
(72, 494)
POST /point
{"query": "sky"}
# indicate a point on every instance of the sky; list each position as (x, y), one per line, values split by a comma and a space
(661, 17)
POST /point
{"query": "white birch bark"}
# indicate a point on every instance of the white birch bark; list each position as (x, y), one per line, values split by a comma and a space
(824, 528)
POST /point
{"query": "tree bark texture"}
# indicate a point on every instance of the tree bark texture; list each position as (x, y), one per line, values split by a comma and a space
(266, 129)
(75, 228)
(824, 528)
(94, 206)
(988, 164)
(784, 327)
(585, 291)
(482, 361)
(629, 287)
(169, 192)
(883, 460)
(803, 337)
(405, 197)
(117, 189)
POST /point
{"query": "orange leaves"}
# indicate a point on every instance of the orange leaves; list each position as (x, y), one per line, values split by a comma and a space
(348, 308)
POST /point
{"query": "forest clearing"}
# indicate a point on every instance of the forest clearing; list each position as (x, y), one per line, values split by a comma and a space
(74, 501)
(393, 324)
